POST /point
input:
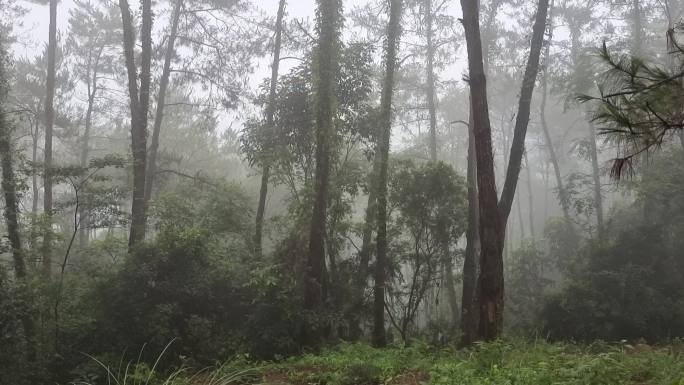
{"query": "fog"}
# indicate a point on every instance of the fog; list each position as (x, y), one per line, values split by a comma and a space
(199, 182)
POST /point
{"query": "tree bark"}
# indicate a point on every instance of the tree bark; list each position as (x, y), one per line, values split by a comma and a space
(9, 188)
(563, 198)
(161, 100)
(469, 313)
(139, 104)
(430, 76)
(84, 214)
(393, 32)
(329, 25)
(270, 113)
(530, 196)
(49, 125)
(523, 116)
(491, 235)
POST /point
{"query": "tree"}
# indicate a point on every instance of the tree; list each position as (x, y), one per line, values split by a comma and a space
(329, 25)
(139, 99)
(270, 112)
(11, 201)
(49, 125)
(493, 214)
(92, 34)
(385, 123)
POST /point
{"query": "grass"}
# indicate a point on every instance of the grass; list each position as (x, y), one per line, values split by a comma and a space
(497, 363)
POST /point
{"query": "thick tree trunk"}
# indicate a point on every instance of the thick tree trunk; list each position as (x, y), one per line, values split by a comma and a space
(329, 26)
(270, 113)
(161, 100)
(393, 32)
(430, 76)
(139, 103)
(49, 125)
(491, 234)
(493, 214)
(469, 308)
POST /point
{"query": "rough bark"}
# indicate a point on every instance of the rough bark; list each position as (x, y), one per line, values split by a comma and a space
(329, 26)
(270, 113)
(393, 31)
(139, 104)
(161, 100)
(491, 234)
(49, 125)
(493, 214)
(469, 308)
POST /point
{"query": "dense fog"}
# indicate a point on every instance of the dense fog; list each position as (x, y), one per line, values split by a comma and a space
(192, 182)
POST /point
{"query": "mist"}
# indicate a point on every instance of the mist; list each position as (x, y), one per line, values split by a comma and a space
(341, 192)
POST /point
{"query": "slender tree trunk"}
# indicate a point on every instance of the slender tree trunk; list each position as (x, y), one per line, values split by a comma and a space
(393, 32)
(520, 220)
(523, 116)
(84, 214)
(161, 100)
(139, 104)
(9, 188)
(49, 124)
(562, 194)
(469, 308)
(530, 196)
(430, 75)
(270, 112)
(329, 26)
(598, 198)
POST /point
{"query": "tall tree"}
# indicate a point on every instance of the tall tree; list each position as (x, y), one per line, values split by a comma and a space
(139, 98)
(329, 26)
(270, 113)
(430, 76)
(49, 125)
(469, 308)
(385, 124)
(11, 201)
(494, 214)
(161, 100)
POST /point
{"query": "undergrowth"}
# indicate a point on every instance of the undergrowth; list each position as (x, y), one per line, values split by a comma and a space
(496, 363)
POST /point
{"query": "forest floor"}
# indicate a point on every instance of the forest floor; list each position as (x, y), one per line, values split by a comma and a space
(496, 363)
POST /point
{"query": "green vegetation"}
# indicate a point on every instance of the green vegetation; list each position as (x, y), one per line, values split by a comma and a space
(496, 363)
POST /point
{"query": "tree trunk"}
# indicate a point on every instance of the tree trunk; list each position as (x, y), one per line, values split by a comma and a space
(598, 198)
(161, 100)
(270, 112)
(329, 26)
(139, 104)
(530, 196)
(9, 188)
(562, 194)
(491, 235)
(430, 75)
(523, 116)
(84, 214)
(469, 313)
(393, 31)
(49, 125)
